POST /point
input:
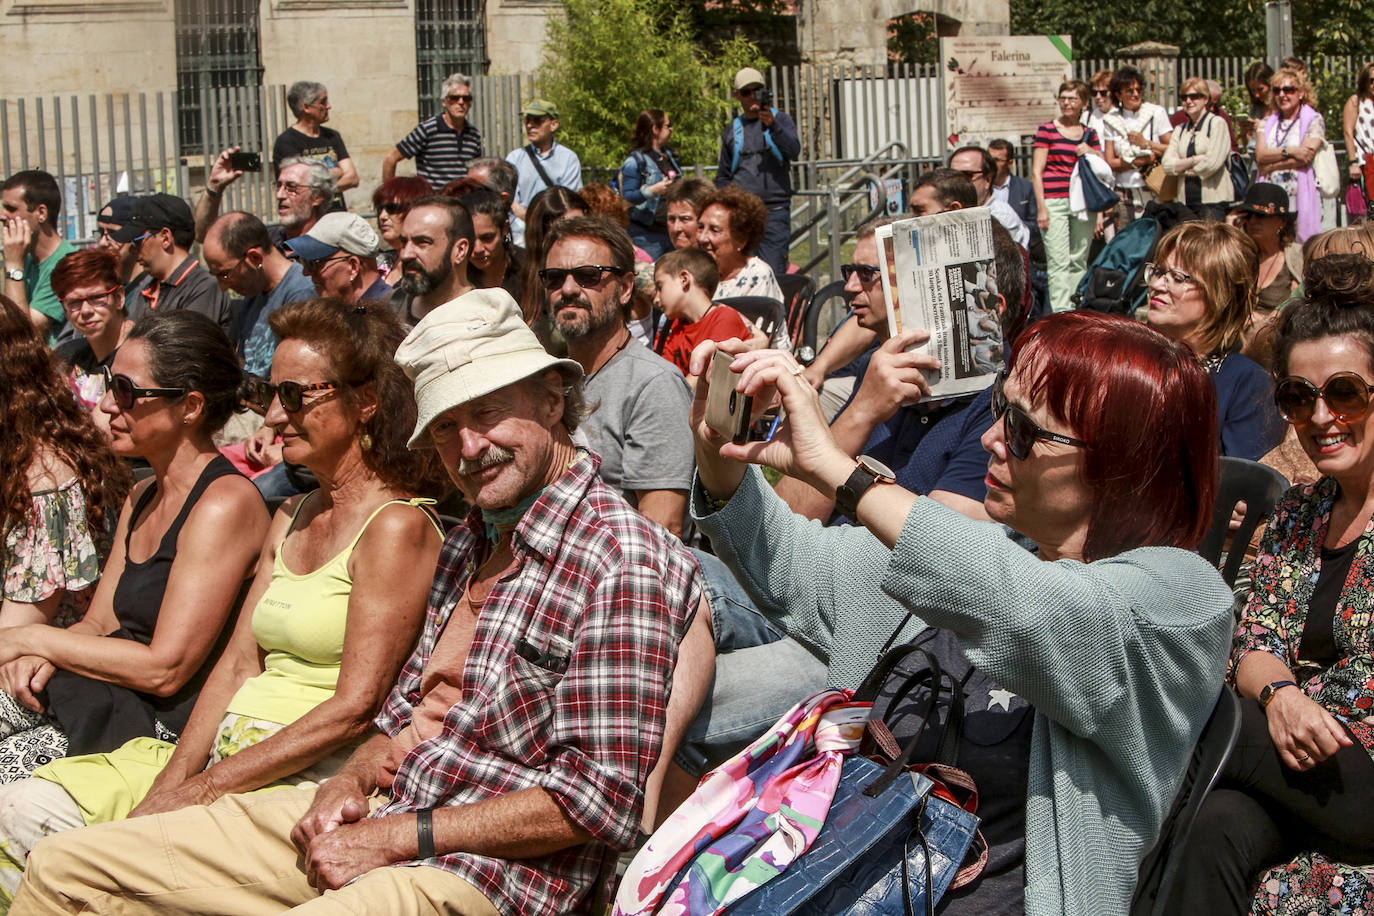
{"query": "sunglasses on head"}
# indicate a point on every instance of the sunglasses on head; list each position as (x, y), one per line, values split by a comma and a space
(126, 393)
(1018, 429)
(867, 272)
(585, 276)
(292, 394)
(1345, 393)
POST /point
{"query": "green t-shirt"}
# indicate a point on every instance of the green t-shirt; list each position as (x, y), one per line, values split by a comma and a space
(38, 287)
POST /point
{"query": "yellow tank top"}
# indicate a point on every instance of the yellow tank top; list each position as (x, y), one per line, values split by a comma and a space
(299, 622)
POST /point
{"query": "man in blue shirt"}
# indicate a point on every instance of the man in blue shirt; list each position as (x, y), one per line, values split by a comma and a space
(756, 152)
(542, 163)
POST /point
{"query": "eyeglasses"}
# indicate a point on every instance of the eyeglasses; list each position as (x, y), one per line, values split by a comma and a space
(103, 233)
(1131, 90)
(586, 276)
(1194, 96)
(1286, 90)
(970, 174)
(1345, 393)
(125, 392)
(139, 240)
(393, 207)
(1067, 99)
(99, 300)
(748, 91)
(1018, 429)
(1172, 275)
(292, 394)
(1101, 92)
(465, 99)
(314, 267)
(224, 274)
(867, 272)
(290, 187)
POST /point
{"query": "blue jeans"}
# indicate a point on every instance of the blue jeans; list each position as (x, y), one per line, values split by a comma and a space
(776, 235)
(760, 674)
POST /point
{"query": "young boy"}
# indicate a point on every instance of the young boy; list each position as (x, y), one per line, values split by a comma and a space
(684, 281)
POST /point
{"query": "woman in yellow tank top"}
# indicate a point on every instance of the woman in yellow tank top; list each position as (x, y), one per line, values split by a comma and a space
(336, 605)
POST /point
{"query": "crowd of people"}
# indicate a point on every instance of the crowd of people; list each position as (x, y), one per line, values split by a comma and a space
(427, 530)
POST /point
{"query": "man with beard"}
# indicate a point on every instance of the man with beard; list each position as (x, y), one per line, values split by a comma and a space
(510, 763)
(436, 239)
(111, 218)
(305, 188)
(640, 431)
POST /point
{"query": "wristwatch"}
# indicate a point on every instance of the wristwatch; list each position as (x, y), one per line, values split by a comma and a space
(867, 472)
(15, 273)
(1269, 690)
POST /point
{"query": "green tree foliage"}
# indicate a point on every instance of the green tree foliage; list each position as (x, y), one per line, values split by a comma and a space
(911, 39)
(1199, 29)
(608, 60)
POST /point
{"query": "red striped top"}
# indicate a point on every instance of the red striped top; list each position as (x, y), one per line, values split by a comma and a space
(1062, 156)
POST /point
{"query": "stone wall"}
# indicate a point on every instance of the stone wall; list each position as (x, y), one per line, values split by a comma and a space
(840, 32)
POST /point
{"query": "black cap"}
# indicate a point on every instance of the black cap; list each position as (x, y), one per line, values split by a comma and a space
(121, 208)
(1264, 199)
(157, 211)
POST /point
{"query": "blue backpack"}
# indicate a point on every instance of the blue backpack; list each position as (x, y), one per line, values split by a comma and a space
(1115, 282)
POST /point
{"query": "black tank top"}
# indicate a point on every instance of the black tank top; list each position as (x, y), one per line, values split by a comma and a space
(98, 716)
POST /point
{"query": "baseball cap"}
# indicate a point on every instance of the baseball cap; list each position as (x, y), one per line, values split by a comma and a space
(121, 208)
(748, 76)
(467, 348)
(154, 212)
(540, 108)
(335, 232)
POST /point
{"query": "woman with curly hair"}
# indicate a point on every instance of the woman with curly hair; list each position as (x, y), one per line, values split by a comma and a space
(732, 226)
(185, 544)
(60, 484)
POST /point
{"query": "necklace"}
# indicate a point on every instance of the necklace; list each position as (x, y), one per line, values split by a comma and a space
(623, 344)
(1213, 362)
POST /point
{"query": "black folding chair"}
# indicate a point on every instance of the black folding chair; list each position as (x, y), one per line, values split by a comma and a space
(1260, 486)
(796, 293)
(1159, 868)
(831, 296)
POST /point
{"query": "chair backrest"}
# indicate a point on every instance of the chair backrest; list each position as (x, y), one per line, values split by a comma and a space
(1260, 486)
(796, 293)
(808, 344)
(762, 311)
(1160, 866)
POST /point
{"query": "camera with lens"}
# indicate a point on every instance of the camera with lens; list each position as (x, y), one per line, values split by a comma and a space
(764, 97)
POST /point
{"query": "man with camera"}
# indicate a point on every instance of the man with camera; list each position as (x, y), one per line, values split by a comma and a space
(756, 151)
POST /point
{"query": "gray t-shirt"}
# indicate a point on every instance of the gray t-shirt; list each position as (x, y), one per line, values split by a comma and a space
(639, 428)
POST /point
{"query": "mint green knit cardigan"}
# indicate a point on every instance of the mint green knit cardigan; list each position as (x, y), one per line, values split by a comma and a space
(1122, 660)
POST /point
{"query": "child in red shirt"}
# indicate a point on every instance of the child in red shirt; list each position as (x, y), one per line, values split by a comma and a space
(684, 281)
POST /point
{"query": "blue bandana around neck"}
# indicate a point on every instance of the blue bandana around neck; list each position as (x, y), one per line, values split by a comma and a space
(500, 522)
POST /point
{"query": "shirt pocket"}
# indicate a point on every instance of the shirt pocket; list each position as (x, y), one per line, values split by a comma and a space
(520, 714)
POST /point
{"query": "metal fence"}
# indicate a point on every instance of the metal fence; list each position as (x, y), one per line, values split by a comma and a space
(250, 117)
(449, 38)
(1228, 71)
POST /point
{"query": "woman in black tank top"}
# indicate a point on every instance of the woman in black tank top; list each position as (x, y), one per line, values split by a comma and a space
(186, 544)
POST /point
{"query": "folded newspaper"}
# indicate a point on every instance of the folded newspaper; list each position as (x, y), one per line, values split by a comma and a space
(939, 277)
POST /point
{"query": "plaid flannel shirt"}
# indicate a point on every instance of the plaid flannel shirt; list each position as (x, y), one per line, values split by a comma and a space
(564, 686)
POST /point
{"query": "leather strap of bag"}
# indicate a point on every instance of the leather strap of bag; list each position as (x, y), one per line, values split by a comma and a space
(539, 166)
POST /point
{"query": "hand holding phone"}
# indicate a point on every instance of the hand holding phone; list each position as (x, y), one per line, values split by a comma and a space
(245, 162)
(727, 411)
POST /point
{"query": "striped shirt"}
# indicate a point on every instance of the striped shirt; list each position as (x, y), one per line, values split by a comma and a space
(563, 687)
(441, 153)
(1062, 156)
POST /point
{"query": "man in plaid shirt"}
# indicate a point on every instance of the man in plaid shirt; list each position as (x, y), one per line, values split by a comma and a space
(510, 760)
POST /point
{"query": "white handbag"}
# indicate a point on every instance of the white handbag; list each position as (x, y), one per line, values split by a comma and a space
(1325, 170)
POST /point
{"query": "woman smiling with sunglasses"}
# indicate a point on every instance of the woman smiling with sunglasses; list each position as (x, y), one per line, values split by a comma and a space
(1301, 778)
(1109, 645)
(185, 544)
(1286, 144)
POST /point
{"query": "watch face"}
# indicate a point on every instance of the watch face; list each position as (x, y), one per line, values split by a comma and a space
(877, 468)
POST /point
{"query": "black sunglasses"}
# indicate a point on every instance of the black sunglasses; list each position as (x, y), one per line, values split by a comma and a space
(126, 393)
(393, 207)
(1019, 430)
(292, 394)
(585, 276)
(867, 272)
(1194, 96)
(1345, 393)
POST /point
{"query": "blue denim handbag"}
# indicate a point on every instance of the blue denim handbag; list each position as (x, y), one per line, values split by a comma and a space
(890, 843)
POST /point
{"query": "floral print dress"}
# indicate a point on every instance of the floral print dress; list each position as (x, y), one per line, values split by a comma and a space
(1284, 576)
(52, 549)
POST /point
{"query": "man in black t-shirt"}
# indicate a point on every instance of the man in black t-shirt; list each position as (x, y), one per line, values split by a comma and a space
(308, 138)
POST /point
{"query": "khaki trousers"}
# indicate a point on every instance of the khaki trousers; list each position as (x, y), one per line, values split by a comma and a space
(231, 857)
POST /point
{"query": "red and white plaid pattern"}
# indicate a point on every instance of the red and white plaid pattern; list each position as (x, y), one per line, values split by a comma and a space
(599, 589)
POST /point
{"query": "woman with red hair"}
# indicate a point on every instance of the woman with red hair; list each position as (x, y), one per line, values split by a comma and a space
(87, 284)
(1092, 664)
